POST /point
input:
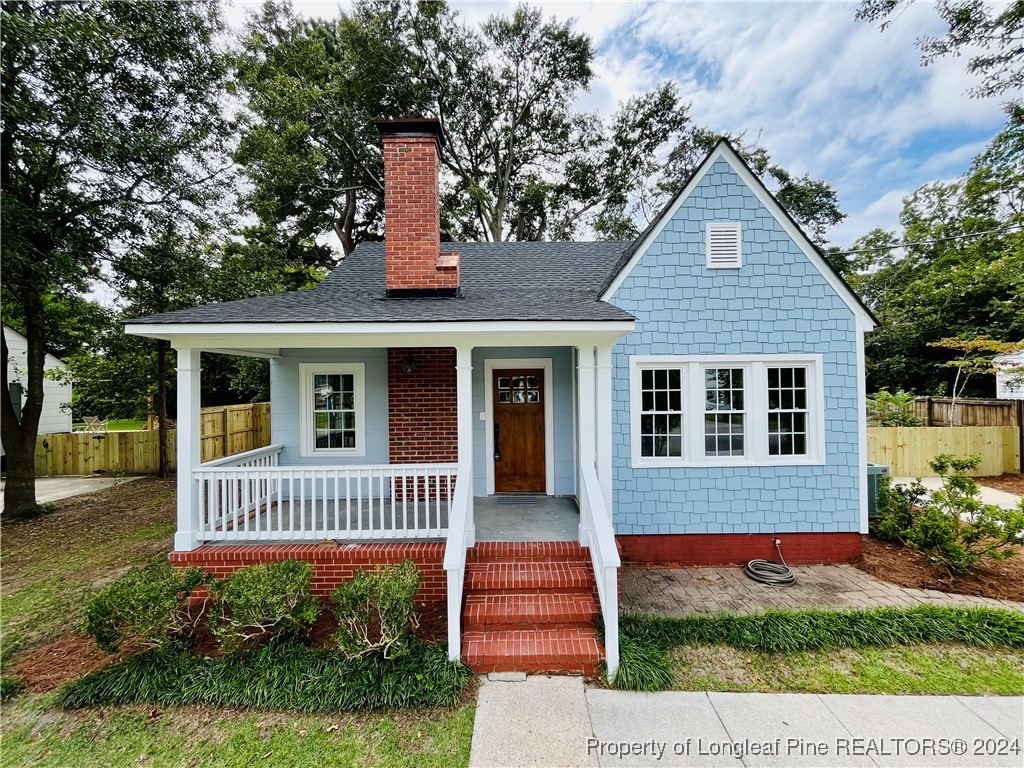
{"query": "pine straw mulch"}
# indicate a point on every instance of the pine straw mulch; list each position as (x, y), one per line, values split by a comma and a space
(1003, 580)
(75, 655)
(1009, 482)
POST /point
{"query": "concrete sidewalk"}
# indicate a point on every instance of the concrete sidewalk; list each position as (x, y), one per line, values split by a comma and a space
(1003, 499)
(557, 721)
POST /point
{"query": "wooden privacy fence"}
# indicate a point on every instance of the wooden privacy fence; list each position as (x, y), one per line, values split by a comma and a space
(970, 412)
(907, 450)
(226, 430)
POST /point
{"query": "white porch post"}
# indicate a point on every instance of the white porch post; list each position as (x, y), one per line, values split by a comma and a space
(464, 410)
(587, 433)
(189, 441)
(604, 425)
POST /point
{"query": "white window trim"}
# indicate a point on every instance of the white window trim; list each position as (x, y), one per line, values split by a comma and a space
(307, 430)
(723, 226)
(755, 409)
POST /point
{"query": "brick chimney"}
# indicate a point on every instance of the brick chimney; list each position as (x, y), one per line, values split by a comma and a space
(414, 263)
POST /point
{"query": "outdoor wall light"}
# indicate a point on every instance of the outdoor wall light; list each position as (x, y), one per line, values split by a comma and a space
(410, 365)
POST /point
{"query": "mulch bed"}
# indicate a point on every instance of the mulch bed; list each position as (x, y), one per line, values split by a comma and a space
(897, 564)
(74, 655)
(1011, 483)
(65, 659)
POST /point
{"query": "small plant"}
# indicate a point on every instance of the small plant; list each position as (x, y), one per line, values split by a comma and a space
(642, 667)
(375, 611)
(892, 409)
(896, 506)
(10, 687)
(263, 603)
(143, 609)
(954, 527)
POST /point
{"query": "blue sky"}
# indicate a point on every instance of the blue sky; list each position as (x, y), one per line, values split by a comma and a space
(825, 94)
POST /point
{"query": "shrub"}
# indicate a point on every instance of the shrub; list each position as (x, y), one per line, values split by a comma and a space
(275, 677)
(896, 506)
(375, 611)
(143, 609)
(892, 409)
(954, 527)
(10, 687)
(263, 603)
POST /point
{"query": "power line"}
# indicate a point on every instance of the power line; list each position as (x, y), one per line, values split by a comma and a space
(908, 243)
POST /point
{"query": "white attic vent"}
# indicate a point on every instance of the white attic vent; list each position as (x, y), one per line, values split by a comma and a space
(723, 245)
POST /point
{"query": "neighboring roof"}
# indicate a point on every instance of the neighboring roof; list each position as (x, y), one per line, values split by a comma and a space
(726, 150)
(518, 281)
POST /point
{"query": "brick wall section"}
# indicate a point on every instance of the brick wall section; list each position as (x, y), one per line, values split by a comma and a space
(412, 216)
(736, 549)
(422, 416)
(331, 565)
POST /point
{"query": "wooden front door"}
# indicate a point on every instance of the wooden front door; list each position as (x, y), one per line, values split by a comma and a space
(519, 459)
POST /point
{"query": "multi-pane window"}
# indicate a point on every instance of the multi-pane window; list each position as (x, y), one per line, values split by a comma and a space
(723, 412)
(334, 410)
(517, 390)
(787, 411)
(661, 412)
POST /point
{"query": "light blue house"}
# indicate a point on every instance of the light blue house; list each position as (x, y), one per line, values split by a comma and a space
(518, 416)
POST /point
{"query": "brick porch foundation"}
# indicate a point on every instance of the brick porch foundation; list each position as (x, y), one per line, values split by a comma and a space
(332, 565)
(739, 548)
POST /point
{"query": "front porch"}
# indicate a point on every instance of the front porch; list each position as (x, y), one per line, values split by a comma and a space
(407, 460)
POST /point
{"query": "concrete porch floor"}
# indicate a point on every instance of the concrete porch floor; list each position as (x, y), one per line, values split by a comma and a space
(528, 517)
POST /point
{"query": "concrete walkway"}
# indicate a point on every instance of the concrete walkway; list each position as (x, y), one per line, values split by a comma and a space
(57, 488)
(682, 591)
(1003, 499)
(556, 721)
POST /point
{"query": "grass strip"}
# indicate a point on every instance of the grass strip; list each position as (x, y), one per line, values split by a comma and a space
(816, 629)
(646, 640)
(278, 677)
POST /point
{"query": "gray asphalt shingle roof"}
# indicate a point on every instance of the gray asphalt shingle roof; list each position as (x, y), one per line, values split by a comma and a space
(500, 281)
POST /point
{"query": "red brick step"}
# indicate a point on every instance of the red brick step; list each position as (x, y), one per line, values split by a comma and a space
(528, 611)
(533, 651)
(504, 576)
(532, 551)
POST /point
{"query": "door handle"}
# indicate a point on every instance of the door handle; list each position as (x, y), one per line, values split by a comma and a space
(497, 437)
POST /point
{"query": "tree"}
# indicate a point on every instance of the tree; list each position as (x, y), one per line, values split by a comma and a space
(111, 111)
(992, 35)
(973, 356)
(958, 273)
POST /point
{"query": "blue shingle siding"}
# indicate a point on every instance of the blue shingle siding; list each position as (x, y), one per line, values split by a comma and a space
(777, 302)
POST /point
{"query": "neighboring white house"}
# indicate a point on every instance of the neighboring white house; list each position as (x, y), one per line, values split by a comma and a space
(1010, 376)
(56, 416)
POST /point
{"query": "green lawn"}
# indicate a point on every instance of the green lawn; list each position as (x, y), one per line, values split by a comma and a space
(922, 669)
(115, 425)
(51, 564)
(191, 736)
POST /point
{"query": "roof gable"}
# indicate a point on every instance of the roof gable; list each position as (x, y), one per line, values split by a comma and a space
(724, 151)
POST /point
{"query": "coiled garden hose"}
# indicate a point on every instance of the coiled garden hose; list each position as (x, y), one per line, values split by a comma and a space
(768, 572)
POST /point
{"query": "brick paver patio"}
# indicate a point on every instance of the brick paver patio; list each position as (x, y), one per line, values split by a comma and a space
(681, 591)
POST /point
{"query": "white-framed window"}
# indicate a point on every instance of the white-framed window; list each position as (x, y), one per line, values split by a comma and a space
(724, 245)
(721, 410)
(333, 409)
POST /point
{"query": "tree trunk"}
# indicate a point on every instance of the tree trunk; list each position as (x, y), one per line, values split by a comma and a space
(164, 470)
(19, 435)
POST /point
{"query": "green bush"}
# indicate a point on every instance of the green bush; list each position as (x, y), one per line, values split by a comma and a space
(375, 611)
(896, 506)
(954, 527)
(892, 409)
(263, 603)
(275, 677)
(143, 609)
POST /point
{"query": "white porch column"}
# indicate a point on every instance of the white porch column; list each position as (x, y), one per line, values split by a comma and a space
(464, 410)
(189, 441)
(604, 424)
(587, 433)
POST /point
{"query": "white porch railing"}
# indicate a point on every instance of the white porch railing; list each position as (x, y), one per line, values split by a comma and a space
(605, 558)
(251, 497)
(461, 536)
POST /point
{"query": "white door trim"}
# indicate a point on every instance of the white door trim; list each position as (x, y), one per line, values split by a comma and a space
(493, 364)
